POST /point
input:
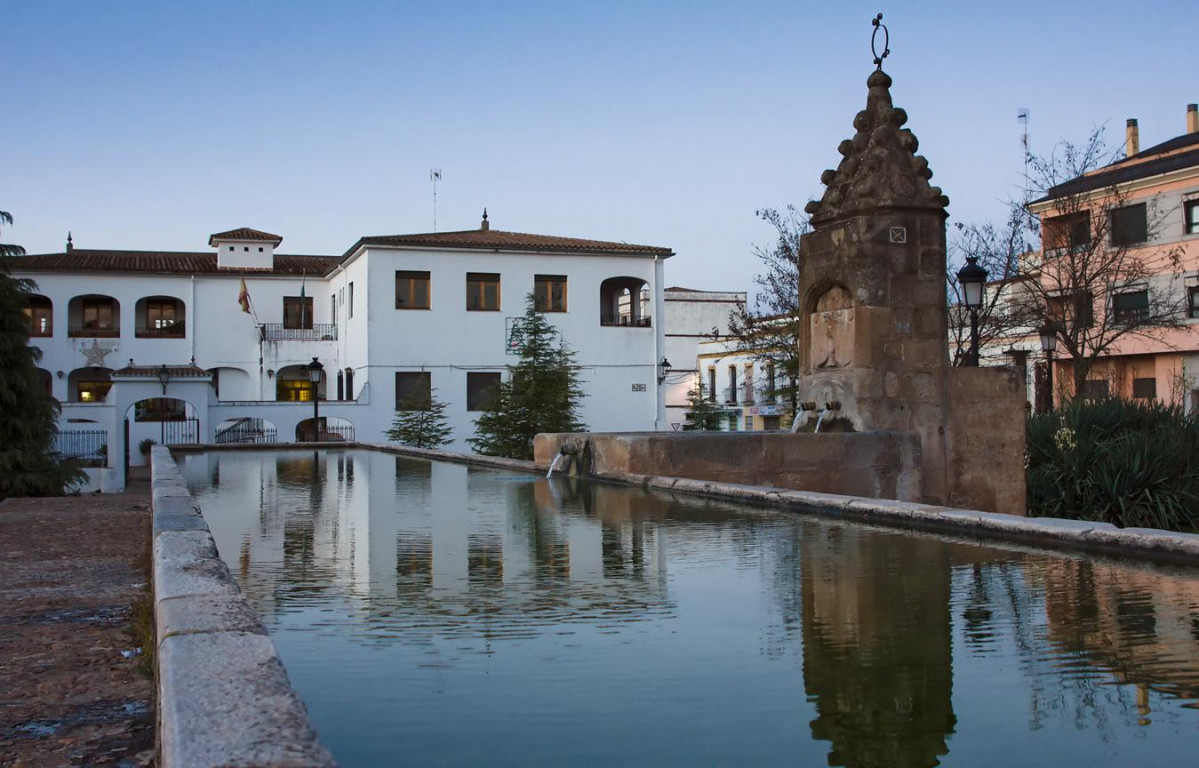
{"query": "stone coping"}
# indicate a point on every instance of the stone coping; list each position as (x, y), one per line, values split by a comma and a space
(223, 695)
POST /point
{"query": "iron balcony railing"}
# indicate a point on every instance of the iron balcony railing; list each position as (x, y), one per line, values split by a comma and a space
(84, 332)
(625, 321)
(318, 332)
(87, 446)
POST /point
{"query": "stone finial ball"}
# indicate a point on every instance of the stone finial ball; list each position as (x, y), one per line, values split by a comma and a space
(812, 207)
(845, 147)
(878, 79)
(861, 121)
(899, 116)
(908, 140)
(827, 177)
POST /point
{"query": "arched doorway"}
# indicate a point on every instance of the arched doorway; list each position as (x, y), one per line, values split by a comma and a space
(292, 385)
(333, 429)
(89, 385)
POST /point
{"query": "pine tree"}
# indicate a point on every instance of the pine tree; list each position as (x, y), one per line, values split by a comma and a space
(28, 414)
(703, 414)
(542, 392)
(420, 421)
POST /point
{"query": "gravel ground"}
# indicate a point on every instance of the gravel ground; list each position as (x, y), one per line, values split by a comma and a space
(71, 571)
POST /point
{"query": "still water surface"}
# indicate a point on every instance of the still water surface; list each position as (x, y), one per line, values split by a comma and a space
(439, 614)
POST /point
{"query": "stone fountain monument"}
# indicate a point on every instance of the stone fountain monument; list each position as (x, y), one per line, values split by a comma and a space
(874, 352)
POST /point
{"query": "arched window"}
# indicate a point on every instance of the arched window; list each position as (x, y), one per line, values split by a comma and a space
(94, 316)
(160, 317)
(624, 301)
(39, 313)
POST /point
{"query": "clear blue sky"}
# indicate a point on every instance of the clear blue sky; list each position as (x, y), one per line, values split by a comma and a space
(152, 125)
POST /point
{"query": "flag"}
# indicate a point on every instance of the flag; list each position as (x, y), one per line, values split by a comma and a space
(243, 297)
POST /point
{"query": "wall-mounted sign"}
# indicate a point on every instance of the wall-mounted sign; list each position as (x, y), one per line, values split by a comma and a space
(638, 387)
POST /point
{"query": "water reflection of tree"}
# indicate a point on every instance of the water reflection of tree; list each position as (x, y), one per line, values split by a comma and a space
(877, 649)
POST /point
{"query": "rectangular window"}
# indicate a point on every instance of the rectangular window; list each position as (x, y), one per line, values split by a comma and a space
(160, 409)
(93, 391)
(1072, 230)
(1190, 217)
(98, 315)
(549, 293)
(412, 290)
(712, 384)
(1131, 307)
(1144, 389)
(414, 390)
(1129, 225)
(1095, 389)
(732, 393)
(39, 315)
(333, 308)
(350, 308)
(1193, 301)
(297, 312)
(1077, 307)
(482, 292)
(770, 386)
(481, 390)
(293, 390)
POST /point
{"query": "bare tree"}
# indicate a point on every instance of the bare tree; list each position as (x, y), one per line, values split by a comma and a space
(769, 332)
(1101, 277)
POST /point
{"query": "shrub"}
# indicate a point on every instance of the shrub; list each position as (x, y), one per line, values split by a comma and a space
(1125, 462)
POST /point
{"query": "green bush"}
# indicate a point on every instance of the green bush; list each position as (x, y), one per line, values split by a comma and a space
(1126, 462)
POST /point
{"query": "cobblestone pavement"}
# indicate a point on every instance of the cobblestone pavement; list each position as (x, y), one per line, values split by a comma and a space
(71, 571)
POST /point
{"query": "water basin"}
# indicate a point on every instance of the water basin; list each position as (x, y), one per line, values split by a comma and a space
(443, 614)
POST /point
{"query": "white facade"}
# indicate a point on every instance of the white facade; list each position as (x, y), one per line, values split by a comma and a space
(693, 318)
(98, 312)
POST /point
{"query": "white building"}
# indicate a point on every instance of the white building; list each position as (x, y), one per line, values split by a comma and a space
(692, 318)
(232, 330)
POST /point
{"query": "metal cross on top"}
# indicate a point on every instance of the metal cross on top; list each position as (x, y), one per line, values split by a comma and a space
(878, 24)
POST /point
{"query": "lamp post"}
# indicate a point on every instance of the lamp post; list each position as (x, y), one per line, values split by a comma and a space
(663, 370)
(1048, 333)
(972, 278)
(164, 376)
(315, 370)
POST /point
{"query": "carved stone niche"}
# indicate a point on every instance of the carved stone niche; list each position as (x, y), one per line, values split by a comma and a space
(831, 332)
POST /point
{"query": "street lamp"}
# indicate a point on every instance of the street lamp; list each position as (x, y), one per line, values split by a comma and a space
(972, 278)
(663, 370)
(164, 376)
(315, 370)
(1048, 333)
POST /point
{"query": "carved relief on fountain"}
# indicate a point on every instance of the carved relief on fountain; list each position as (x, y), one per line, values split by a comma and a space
(831, 332)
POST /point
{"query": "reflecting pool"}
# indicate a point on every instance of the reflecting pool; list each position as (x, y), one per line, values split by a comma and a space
(441, 614)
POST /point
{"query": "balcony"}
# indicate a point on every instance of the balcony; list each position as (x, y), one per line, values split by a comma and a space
(169, 331)
(625, 321)
(318, 332)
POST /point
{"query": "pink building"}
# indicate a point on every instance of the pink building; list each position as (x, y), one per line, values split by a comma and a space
(1120, 272)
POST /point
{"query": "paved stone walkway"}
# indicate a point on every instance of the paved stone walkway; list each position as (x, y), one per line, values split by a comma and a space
(71, 571)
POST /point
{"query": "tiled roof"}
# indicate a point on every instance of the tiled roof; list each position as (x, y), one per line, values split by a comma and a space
(245, 233)
(492, 239)
(1173, 155)
(176, 371)
(175, 262)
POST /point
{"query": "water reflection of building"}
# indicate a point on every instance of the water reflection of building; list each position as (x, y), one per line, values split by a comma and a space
(1141, 623)
(877, 648)
(430, 543)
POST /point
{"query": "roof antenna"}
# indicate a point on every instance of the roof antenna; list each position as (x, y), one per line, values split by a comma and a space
(1022, 116)
(435, 176)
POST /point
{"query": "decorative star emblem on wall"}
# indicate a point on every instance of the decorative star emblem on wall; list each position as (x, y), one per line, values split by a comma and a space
(96, 353)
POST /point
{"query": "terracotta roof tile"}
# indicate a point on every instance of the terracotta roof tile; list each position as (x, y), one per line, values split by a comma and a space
(492, 239)
(176, 371)
(245, 233)
(174, 262)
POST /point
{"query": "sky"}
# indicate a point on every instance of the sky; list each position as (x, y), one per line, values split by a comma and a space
(149, 126)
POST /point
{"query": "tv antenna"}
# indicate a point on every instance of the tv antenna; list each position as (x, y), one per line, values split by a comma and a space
(434, 176)
(1022, 116)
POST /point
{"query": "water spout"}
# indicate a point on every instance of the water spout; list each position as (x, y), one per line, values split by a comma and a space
(819, 421)
(554, 465)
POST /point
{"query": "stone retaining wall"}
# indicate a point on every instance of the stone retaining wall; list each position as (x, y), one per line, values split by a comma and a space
(223, 696)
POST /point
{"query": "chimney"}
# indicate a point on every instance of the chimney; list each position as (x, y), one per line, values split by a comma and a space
(1192, 118)
(486, 226)
(1132, 138)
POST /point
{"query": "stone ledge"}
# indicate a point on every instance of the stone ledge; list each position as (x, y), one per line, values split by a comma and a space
(223, 695)
(225, 699)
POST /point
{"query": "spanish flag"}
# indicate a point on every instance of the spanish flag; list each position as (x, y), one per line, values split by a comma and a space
(243, 297)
